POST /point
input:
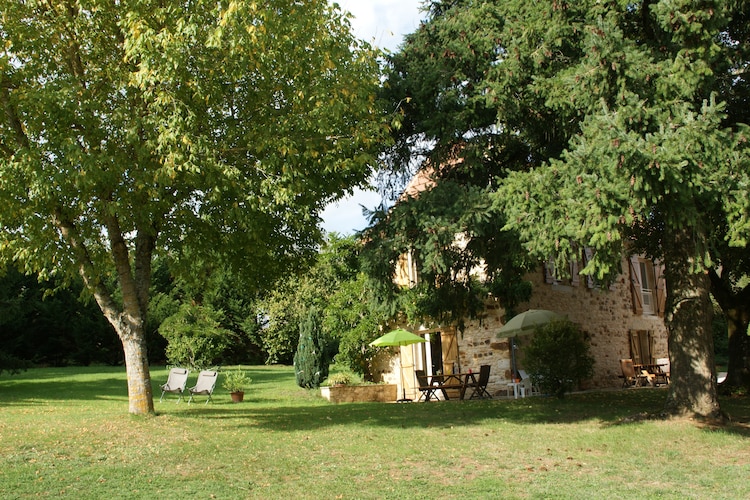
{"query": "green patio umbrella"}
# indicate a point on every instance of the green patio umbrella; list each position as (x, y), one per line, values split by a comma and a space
(398, 338)
(525, 323)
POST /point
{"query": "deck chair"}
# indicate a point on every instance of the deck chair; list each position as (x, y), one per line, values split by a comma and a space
(176, 382)
(629, 377)
(479, 390)
(205, 385)
(426, 389)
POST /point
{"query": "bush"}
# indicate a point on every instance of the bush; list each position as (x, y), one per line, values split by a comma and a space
(558, 358)
(194, 336)
(310, 360)
(340, 378)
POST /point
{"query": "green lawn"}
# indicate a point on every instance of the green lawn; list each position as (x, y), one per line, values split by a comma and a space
(66, 433)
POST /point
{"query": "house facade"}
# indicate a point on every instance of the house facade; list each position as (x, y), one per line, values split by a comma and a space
(623, 320)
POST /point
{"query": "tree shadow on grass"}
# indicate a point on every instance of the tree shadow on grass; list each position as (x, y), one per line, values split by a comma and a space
(31, 392)
(605, 408)
(87, 383)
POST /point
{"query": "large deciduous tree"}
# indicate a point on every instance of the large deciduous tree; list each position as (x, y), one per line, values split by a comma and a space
(600, 122)
(202, 127)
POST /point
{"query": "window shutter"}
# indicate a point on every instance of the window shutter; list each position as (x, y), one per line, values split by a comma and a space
(635, 284)
(450, 350)
(635, 347)
(641, 346)
(661, 288)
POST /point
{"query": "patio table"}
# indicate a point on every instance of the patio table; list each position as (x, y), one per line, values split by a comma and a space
(453, 381)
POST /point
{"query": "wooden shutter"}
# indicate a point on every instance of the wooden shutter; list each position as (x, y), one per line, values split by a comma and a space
(635, 284)
(641, 346)
(635, 352)
(661, 288)
(449, 341)
(650, 356)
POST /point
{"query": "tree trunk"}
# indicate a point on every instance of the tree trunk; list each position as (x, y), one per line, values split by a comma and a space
(738, 369)
(140, 394)
(693, 391)
(735, 303)
(130, 319)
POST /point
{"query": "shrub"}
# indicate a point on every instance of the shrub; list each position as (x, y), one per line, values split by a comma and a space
(340, 378)
(558, 358)
(194, 336)
(310, 360)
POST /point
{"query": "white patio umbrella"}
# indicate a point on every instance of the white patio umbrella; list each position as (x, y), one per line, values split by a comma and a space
(398, 337)
(523, 324)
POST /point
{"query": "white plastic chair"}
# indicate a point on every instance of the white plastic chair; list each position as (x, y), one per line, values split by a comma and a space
(526, 388)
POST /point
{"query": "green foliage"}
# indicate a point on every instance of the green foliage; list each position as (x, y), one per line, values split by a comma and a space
(311, 361)
(448, 289)
(335, 287)
(349, 318)
(340, 378)
(558, 358)
(235, 380)
(11, 364)
(194, 336)
(45, 325)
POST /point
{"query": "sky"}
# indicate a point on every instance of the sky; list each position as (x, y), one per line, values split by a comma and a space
(382, 23)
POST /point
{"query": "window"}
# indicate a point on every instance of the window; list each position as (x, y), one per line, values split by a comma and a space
(646, 286)
(572, 274)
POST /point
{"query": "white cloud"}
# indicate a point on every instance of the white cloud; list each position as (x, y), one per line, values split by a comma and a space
(383, 22)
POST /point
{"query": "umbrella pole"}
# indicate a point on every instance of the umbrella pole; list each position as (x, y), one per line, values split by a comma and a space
(513, 358)
(403, 386)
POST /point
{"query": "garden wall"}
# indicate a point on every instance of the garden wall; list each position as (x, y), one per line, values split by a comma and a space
(383, 393)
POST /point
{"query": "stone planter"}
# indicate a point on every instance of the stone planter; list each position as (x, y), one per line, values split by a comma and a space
(380, 393)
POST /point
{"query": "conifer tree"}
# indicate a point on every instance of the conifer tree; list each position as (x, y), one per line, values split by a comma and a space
(310, 360)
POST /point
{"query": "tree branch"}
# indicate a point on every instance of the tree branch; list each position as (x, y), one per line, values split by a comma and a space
(10, 112)
(121, 255)
(86, 268)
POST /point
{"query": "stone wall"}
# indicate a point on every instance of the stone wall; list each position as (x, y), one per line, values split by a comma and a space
(605, 315)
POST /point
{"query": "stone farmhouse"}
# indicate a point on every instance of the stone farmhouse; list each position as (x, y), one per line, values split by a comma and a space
(624, 320)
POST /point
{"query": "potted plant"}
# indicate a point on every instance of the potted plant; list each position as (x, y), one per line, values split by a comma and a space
(235, 382)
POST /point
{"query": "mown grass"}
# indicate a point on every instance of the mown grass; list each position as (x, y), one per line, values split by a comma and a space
(66, 433)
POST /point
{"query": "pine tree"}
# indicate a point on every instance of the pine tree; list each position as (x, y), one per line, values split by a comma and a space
(310, 360)
(587, 124)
